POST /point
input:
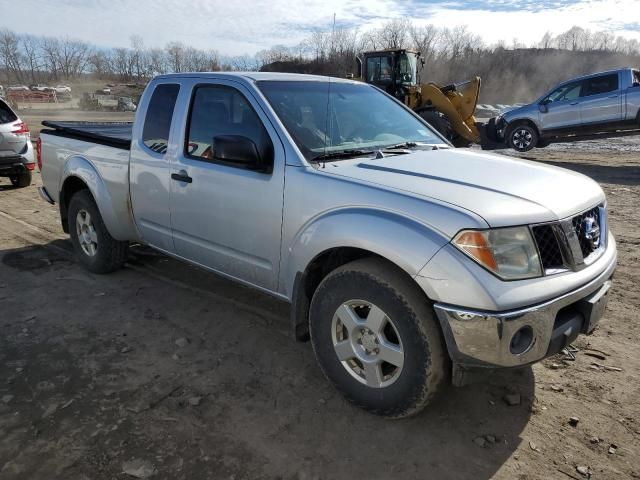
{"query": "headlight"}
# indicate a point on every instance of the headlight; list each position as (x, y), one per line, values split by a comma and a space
(510, 253)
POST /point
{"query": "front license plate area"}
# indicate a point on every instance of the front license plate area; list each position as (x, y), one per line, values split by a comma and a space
(594, 306)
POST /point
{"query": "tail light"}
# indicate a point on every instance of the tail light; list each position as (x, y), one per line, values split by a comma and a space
(39, 153)
(20, 128)
(30, 166)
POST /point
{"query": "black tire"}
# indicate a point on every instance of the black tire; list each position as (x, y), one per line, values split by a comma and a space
(522, 137)
(438, 121)
(110, 254)
(21, 180)
(426, 363)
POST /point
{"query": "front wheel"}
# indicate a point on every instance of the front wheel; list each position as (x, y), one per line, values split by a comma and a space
(21, 180)
(438, 121)
(376, 338)
(98, 251)
(522, 137)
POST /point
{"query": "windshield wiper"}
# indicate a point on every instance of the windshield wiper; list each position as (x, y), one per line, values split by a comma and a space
(341, 154)
(402, 146)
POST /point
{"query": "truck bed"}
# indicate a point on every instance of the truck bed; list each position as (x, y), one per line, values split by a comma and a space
(112, 134)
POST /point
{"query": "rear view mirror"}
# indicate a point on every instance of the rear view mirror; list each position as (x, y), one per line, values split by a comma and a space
(241, 151)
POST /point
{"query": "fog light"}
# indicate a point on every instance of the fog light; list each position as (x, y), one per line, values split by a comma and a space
(521, 340)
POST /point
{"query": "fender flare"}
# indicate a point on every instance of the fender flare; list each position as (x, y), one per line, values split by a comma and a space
(79, 167)
(404, 241)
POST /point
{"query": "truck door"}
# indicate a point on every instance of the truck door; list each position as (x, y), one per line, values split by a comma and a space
(601, 100)
(149, 171)
(563, 110)
(226, 216)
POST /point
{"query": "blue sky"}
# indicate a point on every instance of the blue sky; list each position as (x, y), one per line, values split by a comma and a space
(238, 27)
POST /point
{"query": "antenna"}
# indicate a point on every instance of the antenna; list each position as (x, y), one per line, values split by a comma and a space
(327, 130)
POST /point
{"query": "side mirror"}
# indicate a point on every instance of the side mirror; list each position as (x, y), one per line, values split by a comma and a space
(241, 151)
(543, 108)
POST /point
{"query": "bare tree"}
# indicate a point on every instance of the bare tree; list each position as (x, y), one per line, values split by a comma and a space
(10, 54)
(425, 40)
(547, 41)
(395, 33)
(31, 48)
(175, 56)
(99, 63)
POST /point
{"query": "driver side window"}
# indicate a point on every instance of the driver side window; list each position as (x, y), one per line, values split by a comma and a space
(570, 91)
(218, 110)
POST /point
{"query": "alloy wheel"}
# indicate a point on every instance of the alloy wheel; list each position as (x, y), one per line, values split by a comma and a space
(521, 138)
(367, 343)
(87, 236)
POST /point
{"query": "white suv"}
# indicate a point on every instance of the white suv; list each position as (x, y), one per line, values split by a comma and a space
(16, 151)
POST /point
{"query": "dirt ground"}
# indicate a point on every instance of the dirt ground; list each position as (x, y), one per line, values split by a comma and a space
(192, 377)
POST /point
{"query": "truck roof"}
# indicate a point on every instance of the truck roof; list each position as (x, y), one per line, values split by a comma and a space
(257, 76)
(615, 70)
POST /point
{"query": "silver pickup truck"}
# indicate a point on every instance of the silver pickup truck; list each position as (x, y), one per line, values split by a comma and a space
(600, 104)
(407, 262)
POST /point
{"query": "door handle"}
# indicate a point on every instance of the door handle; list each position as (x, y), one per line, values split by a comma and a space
(181, 177)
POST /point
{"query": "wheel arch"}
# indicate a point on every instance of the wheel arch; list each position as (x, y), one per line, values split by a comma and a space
(80, 174)
(523, 121)
(402, 243)
(71, 185)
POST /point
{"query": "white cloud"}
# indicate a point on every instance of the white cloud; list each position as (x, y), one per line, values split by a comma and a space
(528, 26)
(246, 27)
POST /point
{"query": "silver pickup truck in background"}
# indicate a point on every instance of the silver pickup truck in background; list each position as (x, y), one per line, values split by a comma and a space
(601, 104)
(407, 262)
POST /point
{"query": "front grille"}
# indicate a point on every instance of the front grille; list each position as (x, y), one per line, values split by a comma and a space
(550, 254)
(564, 245)
(580, 224)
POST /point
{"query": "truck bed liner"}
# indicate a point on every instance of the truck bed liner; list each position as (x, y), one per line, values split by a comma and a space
(112, 134)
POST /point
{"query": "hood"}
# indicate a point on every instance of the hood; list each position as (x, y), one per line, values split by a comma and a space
(504, 191)
(510, 113)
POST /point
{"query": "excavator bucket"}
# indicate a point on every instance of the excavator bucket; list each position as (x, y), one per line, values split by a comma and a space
(458, 102)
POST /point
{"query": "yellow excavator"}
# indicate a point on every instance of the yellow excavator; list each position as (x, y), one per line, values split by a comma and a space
(449, 109)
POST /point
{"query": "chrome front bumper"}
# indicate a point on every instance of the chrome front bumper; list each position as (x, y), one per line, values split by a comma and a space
(486, 339)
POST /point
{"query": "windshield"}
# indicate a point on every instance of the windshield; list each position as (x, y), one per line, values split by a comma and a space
(353, 116)
(408, 63)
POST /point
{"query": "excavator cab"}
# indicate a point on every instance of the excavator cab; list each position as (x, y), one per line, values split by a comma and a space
(449, 109)
(393, 71)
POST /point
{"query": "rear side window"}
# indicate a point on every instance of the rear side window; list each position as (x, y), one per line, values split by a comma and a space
(603, 84)
(157, 124)
(220, 110)
(6, 115)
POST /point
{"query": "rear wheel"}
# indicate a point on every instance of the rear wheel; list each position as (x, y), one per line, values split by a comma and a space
(376, 338)
(94, 246)
(21, 180)
(522, 137)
